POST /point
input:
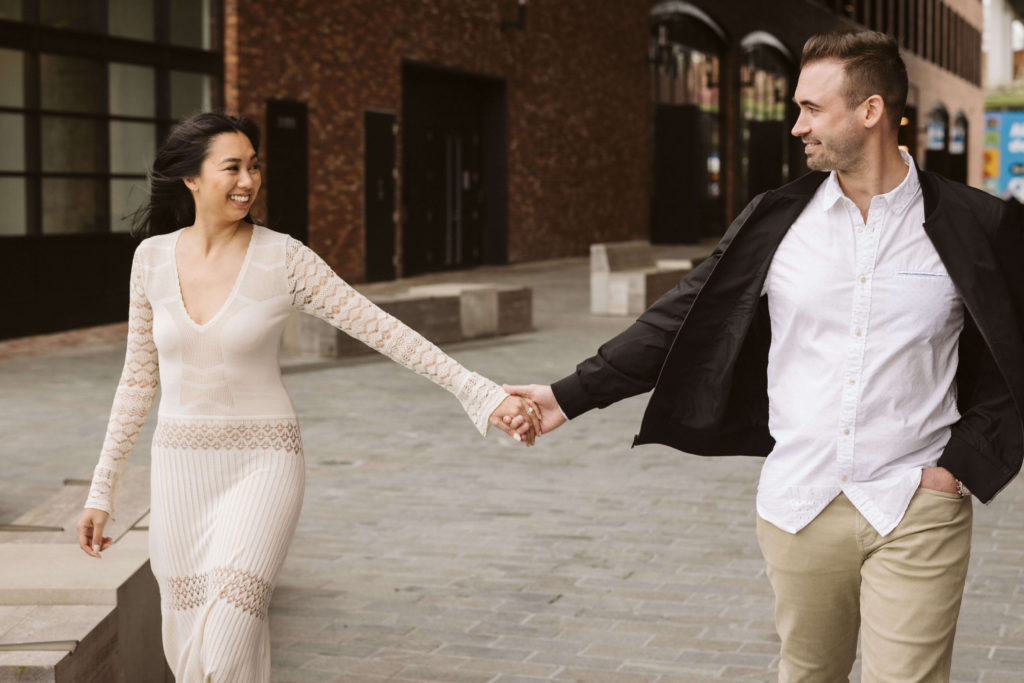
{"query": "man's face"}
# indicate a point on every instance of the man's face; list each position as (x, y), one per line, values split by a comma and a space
(828, 127)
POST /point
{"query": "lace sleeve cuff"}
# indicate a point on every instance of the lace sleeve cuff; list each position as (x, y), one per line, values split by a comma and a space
(480, 397)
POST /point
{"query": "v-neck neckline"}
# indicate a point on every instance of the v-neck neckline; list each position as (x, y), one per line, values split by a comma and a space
(231, 294)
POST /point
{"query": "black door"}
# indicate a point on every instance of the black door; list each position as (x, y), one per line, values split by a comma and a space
(287, 180)
(379, 195)
(452, 181)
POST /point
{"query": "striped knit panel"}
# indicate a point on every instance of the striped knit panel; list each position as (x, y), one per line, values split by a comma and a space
(221, 523)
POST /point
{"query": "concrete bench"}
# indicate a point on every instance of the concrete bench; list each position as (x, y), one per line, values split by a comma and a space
(443, 313)
(626, 277)
(65, 616)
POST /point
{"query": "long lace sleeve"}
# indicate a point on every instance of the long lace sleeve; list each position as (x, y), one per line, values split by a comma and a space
(317, 290)
(133, 399)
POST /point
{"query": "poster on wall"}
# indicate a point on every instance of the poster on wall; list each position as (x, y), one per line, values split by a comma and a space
(1003, 169)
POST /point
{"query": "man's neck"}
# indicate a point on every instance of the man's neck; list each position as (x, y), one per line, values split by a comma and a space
(873, 177)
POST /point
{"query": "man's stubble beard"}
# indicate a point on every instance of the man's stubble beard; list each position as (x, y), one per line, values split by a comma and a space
(843, 154)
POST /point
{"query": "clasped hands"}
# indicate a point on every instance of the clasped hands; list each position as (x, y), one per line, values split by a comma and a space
(529, 411)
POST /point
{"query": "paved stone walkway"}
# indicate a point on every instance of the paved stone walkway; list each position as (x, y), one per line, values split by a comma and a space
(425, 553)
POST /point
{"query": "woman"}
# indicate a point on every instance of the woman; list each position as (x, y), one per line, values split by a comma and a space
(208, 307)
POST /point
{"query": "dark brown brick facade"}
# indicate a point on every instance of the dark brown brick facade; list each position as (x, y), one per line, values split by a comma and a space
(577, 84)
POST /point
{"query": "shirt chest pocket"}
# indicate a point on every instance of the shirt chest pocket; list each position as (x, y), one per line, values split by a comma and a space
(919, 304)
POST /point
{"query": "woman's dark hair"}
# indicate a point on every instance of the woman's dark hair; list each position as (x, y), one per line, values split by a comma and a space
(170, 203)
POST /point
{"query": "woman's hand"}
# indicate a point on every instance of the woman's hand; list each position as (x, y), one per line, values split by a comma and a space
(526, 427)
(90, 532)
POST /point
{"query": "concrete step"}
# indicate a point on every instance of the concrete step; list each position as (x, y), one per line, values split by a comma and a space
(54, 520)
(68, 617)
(61, 574)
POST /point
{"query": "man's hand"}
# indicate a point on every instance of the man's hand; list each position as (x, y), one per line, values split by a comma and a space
(90, 532)
(540, 394)
(519, 418)
(938, 479)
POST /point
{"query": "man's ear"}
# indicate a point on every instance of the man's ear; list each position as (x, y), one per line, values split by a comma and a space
(873, 111)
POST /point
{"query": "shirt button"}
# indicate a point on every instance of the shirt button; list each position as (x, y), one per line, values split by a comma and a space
(844, 477)
(860, 229)
(857, 332)
(852, 381)
(846, 431)
(863, 280)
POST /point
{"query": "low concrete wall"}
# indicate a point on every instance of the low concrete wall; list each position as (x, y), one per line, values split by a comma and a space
(66, 617)
(443, 313)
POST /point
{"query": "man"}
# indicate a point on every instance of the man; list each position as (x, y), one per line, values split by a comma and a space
(860, 327)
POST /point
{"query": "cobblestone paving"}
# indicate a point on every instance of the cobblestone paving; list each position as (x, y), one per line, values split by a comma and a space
(425, 553)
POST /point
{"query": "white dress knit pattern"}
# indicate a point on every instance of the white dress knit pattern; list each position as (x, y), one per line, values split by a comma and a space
(227, 465)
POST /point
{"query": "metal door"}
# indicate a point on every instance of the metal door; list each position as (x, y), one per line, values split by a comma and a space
(287, 168)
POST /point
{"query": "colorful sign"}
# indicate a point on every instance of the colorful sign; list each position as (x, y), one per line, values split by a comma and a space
(1003, 171)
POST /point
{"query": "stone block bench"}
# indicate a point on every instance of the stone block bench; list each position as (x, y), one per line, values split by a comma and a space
(65, 616)
(443, 313)
(626, 277)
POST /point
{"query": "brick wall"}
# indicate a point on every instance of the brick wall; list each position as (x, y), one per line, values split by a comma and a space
(577, 105)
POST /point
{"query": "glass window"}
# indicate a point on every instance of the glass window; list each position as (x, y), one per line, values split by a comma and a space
(12, 206)
(10, 10)
(190, 93)
(12, 75)
(132, 90)
(72, 205)
(72, 145)
(130, 18)
(12, 151)
(79, 15)
(72, 84)
(132, 146)
(190, 23)
(764, 92)
(685, 61)
(126, 196)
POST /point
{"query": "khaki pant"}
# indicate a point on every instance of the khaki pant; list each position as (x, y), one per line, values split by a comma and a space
(902, 592)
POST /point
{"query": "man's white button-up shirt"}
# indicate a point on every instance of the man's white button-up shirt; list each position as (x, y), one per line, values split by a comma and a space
(865, 326)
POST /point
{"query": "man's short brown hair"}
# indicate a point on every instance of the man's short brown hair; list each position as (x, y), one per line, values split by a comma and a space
(872, 63)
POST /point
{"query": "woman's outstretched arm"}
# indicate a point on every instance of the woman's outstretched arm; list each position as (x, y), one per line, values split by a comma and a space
(316, 289)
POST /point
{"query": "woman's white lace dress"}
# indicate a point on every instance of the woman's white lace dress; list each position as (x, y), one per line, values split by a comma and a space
(227, 464)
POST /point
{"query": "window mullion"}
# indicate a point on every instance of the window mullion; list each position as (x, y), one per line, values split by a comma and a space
(33, 147)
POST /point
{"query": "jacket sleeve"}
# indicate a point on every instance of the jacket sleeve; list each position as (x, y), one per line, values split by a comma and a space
(989, 415)
(317, 290)
(133, 399)
(630, 363)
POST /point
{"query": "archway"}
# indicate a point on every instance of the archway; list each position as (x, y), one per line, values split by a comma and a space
(936, 151)
(765, 86)
(958, 149)
(685, 56)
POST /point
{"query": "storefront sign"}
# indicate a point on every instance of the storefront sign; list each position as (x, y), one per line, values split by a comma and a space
(1003, 170)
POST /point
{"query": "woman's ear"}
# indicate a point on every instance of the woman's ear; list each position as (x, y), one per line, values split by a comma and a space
(191, 184)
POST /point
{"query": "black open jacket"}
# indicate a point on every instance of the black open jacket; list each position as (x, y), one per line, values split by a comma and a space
(703, 347)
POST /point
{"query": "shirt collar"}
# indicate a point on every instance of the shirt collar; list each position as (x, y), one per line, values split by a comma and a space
(897, 198)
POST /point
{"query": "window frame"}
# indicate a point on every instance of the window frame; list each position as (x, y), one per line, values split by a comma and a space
(33, 40)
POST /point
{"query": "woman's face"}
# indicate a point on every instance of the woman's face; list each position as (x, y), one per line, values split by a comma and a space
(228, 181)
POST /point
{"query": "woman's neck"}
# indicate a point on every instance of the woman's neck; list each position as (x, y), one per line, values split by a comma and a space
(211, 235)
